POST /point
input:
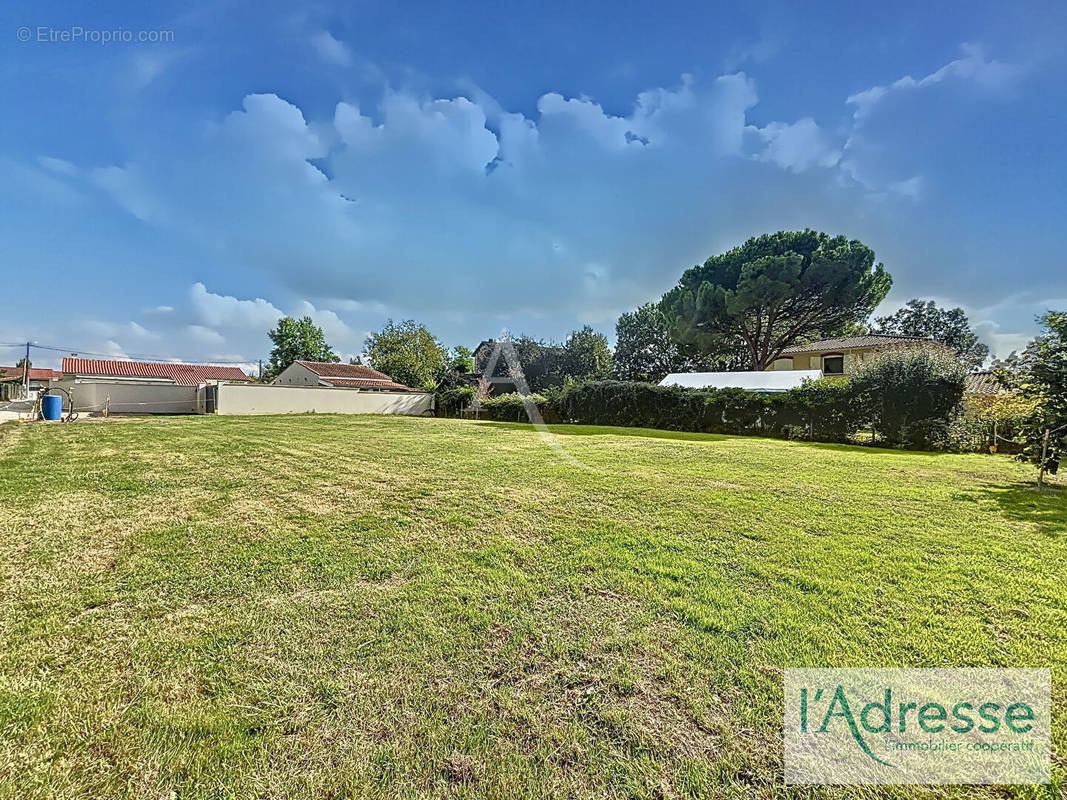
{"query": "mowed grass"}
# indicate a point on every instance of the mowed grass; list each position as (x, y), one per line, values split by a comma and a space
(329, 606)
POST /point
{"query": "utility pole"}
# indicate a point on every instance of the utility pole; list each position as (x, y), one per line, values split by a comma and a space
(26, 373)
(260, 379)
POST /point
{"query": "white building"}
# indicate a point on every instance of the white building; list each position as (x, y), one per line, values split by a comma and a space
(760, 382)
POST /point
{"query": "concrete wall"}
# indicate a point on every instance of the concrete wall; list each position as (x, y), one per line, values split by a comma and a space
(90, 396)
(296, 375)
(258, 399)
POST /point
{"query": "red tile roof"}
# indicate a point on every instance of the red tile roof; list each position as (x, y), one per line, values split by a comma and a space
(983, 383)
(15, 373)
(369, 383)
(354, 375)
(182, 374)
(848, 342)
(325, 369)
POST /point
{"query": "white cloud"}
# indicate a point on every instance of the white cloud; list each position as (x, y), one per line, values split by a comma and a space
(972, 66)
(330, 49)
(57, 165)
(908, 188)
(204, 335)
(218, 311)
(798, 146)
(128, 189)
(456, 209)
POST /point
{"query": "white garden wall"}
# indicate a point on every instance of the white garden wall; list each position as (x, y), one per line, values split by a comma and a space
(91, 397)
(260, 399)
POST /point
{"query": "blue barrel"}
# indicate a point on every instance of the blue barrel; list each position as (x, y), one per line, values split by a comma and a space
(52, 406)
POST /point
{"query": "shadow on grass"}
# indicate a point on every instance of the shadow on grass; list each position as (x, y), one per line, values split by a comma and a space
(1045, 508)
(689, 436)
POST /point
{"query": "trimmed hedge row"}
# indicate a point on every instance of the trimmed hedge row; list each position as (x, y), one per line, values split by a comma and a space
(512, 408)
(821, 410)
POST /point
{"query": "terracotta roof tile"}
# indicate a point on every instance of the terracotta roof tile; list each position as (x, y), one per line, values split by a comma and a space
(182, 374)
(848, 342)
(369, 383)
(15, 373)
(354, 375)
(983, 383)
(326, 369)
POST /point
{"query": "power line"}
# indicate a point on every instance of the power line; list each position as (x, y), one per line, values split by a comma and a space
(77, 351)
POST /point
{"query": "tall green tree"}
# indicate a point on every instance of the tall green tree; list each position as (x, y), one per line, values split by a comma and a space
(586, 355)
(645, 351)
(461, 359)
(1040, 373)
(296, 339)
(774, 291)
(542, 362)
(407, 352)
(24, 362)
(948, 326)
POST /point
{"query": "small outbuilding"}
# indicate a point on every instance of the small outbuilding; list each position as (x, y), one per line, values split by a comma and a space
(758, 382)
(338, 376)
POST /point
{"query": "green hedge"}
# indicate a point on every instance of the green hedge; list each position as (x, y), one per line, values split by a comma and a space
(512, 408)
(821, 410)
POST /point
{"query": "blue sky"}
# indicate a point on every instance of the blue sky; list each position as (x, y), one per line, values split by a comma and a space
(533, 167)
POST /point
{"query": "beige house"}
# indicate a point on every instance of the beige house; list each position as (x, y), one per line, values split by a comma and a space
(840, 356)
(338, 376)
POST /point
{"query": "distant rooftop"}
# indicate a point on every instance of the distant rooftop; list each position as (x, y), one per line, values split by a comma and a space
(983, 383)
(354, 375)
(762, 382)
(853, 342)
(181, 374)
(15, 374)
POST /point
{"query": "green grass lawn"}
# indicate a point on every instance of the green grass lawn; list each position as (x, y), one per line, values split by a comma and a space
(328, 606)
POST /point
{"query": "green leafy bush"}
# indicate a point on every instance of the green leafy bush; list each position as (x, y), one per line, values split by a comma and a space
(816, 411)
(450, 402)
(908, 396)
(992, 422)
(511, 407)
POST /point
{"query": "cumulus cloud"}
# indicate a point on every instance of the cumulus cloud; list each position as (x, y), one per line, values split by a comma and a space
(218, 311)
(457, 209)
(972, 66)
(798, 146)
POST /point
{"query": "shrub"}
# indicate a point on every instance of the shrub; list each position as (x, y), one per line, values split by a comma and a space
(820, 410)
(451, 402)
(825, 410)
(908, 396)
(511, 407)
(991, 422)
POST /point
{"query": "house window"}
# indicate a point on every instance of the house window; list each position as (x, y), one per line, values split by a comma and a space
(833, 365)
(782, 363)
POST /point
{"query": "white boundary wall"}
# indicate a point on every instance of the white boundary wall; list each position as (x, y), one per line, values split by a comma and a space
(90, 397)
(235, 398)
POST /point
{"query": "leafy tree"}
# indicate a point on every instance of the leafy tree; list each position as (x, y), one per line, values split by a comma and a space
(407, 352)
(545, 365)
(909, 395)
(1040, 373)
(645, 351)
(462, 359)
(948, 326)
(774, 291)
(24, 363)
(586, 356)
(296, 339)
(541, 361)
